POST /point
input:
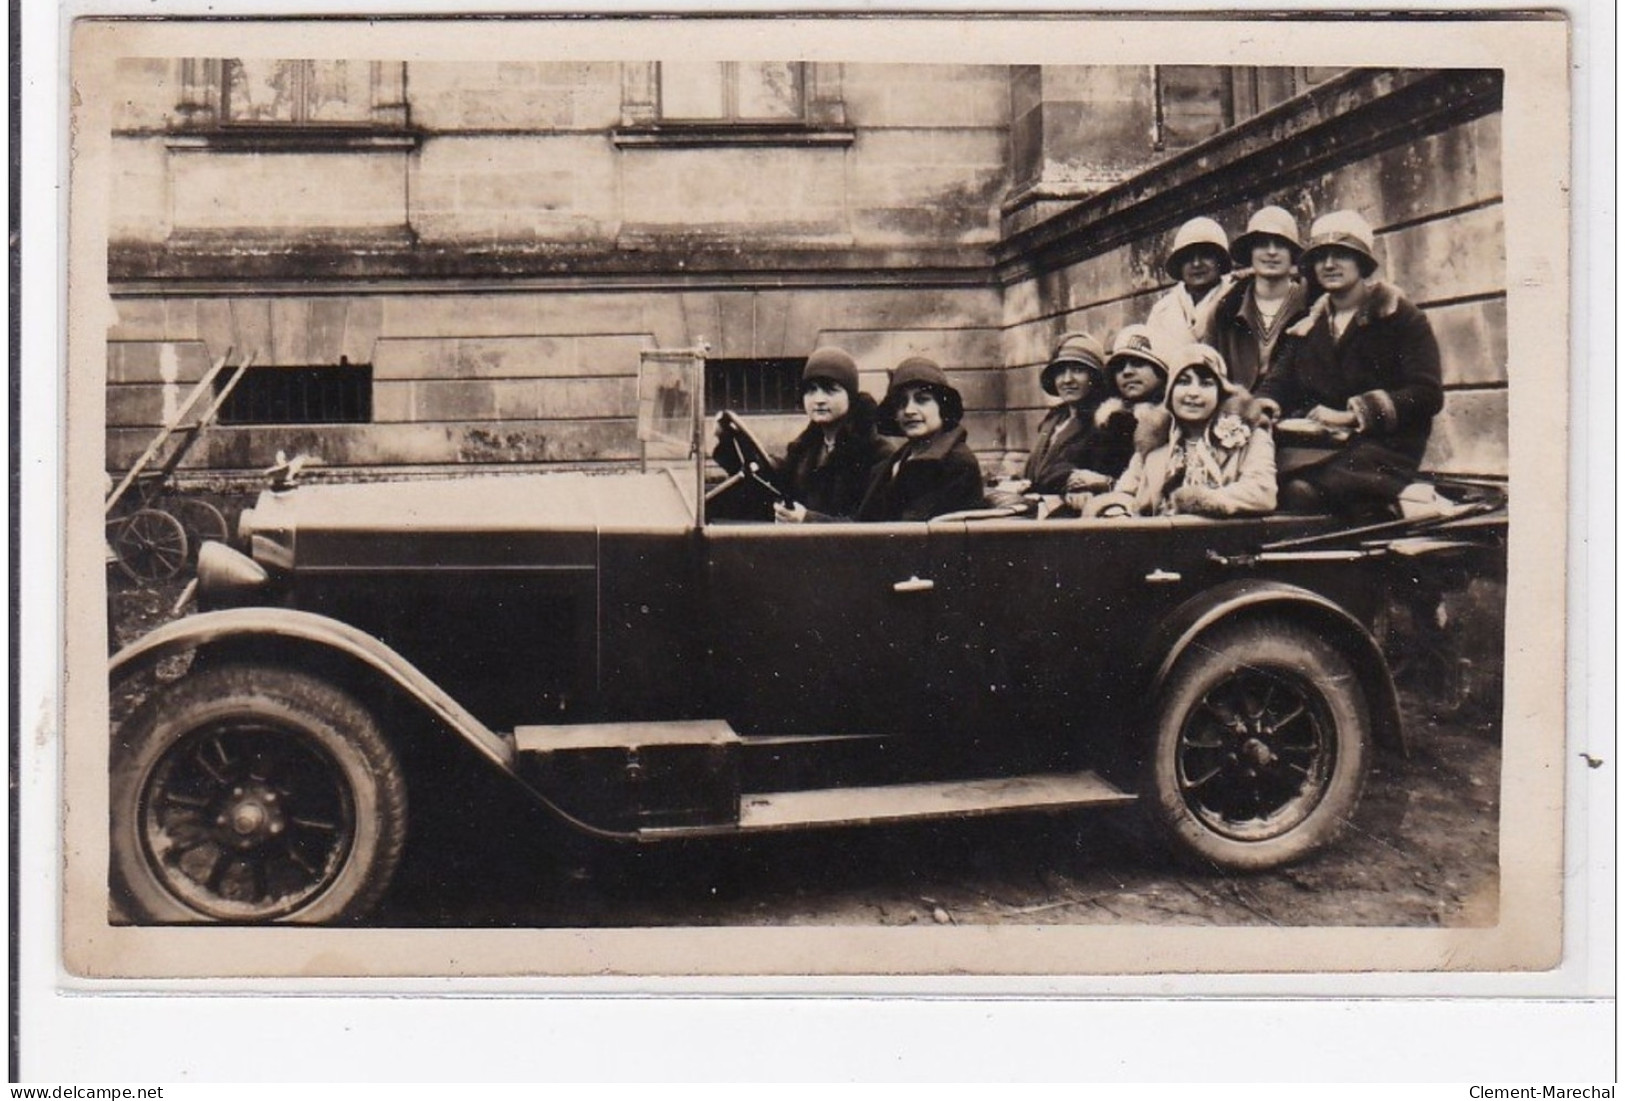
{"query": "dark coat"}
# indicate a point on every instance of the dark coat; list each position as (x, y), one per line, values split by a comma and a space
(1232, 331)
(1099, 438)
(1384, 369)
(920, 482)
(832, 485)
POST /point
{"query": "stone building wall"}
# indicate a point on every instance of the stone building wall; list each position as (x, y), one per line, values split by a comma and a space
(501, 257)
(501, 262)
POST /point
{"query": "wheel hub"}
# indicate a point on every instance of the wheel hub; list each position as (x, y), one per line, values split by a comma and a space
(251, 816)
(1256, 753)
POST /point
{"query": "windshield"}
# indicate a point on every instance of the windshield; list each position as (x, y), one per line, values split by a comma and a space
(671, 405)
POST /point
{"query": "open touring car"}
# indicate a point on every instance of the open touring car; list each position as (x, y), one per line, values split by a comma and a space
(646, 674)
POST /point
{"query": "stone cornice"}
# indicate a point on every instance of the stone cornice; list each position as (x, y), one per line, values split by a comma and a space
(331, 266)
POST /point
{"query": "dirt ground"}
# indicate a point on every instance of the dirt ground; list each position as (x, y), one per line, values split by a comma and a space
(1422, 851)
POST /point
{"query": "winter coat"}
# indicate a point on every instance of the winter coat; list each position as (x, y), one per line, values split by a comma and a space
(830, 484)
(924, 479)
(1235, 329)
(1098, 437)
(1384, 369)
(1176, 321)
(1226, 470)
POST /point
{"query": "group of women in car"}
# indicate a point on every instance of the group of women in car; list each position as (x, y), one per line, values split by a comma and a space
(1261, 338)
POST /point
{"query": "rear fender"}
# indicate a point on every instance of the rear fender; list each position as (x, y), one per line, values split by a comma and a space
(262, 628)
(1249, 597)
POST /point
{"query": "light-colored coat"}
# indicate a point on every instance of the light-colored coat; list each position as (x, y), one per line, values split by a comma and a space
(1229, 470)
(1175, 320)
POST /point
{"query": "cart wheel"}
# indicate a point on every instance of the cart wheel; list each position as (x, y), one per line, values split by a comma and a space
(202, 521)
(151, 545)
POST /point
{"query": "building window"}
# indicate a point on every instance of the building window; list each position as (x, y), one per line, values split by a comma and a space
(258, 92)
(753, 385)
(259, 101)
(731, 91)
(1195, 102)
(301, 395)
(686, 103)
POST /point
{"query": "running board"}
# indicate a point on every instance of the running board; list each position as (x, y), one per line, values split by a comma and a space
(857, 806)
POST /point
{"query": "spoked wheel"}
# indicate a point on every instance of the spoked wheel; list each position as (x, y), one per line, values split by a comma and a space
(202, 521)
(1261, 748)
(249, 794)
(150, 545)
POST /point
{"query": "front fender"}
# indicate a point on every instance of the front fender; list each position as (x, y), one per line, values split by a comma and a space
(1225, 602)
(289, 625)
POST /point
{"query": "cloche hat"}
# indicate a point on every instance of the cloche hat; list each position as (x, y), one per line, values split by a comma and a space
(919, 371)
(1074, 347)
(1269, 221)
(1342, 229)
(1138, 342)
(1204, 358)
(1198, 233)
(832, 365)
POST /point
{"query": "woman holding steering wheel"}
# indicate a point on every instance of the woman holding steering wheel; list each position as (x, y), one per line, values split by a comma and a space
(826, 468)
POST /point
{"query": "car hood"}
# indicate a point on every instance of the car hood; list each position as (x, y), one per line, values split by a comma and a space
(490, 519)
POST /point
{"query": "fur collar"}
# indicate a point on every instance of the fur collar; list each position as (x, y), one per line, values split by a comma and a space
(1139, 410)
(1381, 300)
(1155, 427)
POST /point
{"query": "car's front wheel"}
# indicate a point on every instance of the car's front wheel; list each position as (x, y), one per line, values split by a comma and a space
(1261, 747)
(249, 793)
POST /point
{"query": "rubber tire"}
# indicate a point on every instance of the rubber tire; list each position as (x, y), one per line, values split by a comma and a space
(1315, 663)
(320, 714)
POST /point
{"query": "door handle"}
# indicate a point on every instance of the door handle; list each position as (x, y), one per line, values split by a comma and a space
(914, 585)
(1162, 577)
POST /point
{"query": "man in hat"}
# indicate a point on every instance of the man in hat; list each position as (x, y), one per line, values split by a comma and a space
(1363, 367)
(1078, 447)
(934, 472)
(1250, 316)
(1198, 262)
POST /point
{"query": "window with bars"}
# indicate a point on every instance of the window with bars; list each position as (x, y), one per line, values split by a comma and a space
(301, 395)
(753, 385)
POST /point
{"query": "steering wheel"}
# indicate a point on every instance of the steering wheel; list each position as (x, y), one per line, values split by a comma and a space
(753, 463)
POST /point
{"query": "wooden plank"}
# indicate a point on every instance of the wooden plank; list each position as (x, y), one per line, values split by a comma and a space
(854, 806)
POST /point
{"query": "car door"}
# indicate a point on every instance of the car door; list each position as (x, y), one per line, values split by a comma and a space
(1062, 610)
(829, 628)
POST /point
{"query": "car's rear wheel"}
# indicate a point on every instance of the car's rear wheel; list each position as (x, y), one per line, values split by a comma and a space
(246, 793)
(1261, 747)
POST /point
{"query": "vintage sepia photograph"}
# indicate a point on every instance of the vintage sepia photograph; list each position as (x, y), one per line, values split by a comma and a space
(712, 497)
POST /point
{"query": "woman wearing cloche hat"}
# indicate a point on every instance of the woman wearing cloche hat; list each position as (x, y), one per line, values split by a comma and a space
(1204, 457)
(1251, 316)
(1363, 366)
(826, 468)
(1079, 445)
(1198, 261)
(934, 472)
